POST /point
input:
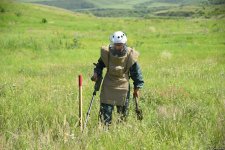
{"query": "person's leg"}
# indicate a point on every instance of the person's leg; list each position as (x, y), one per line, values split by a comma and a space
(123, 112)
(105, 114)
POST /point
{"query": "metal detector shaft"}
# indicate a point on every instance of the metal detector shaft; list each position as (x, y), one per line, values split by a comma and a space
(89, 109)
(96, 88)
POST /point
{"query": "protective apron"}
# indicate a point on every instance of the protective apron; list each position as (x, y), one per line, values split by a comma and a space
(116, 81)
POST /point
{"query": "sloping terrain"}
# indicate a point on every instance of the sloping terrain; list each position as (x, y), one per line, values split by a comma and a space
(43, 49)
(140, 8)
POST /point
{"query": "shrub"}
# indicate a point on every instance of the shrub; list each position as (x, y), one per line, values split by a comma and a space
(44, 20)
(18, 14)
(2, 10)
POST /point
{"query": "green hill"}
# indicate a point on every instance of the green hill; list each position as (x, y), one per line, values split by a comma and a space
(43, 49)
(139, 8)
(122, 4)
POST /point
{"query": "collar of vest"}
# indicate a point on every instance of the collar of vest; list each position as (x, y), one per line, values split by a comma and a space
(118, 53)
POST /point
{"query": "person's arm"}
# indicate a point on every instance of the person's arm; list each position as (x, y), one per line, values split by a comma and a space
(136, 76)
(98, 69)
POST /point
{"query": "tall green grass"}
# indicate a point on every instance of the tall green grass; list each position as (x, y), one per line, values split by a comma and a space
(183, 64)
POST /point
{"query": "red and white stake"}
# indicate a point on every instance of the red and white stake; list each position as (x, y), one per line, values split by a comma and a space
(80, 102)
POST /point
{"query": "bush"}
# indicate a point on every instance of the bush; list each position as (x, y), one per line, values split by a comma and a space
(44, 20)
(2, 10)
(76, 42)
(18, 14)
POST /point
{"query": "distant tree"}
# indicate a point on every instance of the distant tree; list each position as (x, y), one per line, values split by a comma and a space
(217, 2)
(171, 1)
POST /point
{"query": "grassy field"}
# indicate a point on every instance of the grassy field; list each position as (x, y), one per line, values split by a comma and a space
(43, 50)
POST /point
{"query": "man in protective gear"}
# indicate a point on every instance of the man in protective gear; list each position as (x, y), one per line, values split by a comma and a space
(121, 63)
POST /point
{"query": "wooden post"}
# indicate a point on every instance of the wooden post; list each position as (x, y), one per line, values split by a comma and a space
(80, 103)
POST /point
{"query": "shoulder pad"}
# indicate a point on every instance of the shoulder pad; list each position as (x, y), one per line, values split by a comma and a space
(105, 55)
(132, 57)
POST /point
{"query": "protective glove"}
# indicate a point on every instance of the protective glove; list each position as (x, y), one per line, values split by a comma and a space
(136, 93)
(94, 77)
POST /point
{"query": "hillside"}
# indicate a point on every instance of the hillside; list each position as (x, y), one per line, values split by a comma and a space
(43, 49)
(141, 8)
